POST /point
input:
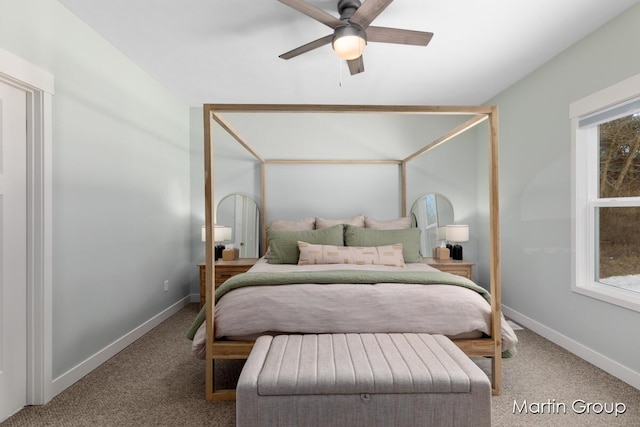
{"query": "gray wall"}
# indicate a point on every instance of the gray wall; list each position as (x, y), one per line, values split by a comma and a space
(535, 176)
(121, 191)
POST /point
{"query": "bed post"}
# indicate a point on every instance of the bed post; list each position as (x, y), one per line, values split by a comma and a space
(263, 207)
(494, 218)
(403, 196)
(209, 210)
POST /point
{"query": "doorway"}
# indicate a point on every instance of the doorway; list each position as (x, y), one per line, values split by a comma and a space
(13, 249)
(27, 91)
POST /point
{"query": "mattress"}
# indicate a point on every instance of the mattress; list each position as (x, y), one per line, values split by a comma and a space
(308, 308)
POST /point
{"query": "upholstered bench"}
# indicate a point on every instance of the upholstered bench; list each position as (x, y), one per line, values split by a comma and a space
(354, 380)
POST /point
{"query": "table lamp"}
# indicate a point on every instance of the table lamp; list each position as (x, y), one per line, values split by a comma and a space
(220, 234)
(457, 234)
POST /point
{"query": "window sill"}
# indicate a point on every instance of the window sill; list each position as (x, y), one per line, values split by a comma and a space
(617, 296)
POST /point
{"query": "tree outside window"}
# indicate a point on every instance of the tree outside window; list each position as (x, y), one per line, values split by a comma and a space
(619, 227)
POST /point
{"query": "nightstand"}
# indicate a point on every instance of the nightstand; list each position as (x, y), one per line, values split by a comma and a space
(461, 268)
(223, 270)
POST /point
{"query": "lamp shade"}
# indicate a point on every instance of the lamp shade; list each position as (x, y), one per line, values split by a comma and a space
(220, 233)
(349, 42)
(442, 233)
(457, 233)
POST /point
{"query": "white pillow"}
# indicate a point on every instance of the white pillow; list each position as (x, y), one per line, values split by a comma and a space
(390, 255)
(394, 224)
(357, 220)
(284, 225)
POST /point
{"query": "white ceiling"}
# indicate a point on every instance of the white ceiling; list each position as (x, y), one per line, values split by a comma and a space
(226, 51)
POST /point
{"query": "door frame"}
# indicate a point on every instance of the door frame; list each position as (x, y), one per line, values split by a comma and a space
(39, 86)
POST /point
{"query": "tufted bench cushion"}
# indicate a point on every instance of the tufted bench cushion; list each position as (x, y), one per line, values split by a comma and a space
(356, 380)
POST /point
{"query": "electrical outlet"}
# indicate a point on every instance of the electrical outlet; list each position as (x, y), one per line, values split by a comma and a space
(166, 285)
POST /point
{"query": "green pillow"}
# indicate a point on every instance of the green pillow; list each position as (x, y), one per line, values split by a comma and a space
(409, 237)
(283, 244)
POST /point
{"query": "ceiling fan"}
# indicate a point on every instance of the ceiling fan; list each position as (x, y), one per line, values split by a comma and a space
(352, 31)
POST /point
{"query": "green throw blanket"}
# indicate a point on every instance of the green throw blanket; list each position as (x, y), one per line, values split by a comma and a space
(337, 276)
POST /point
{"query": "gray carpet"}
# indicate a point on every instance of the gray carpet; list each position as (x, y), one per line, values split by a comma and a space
(156, 382)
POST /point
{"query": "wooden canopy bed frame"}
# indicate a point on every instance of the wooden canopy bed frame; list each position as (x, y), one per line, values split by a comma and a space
(223, 349)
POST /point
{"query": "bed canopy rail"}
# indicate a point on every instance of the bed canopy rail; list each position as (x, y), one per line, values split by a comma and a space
(221, 349)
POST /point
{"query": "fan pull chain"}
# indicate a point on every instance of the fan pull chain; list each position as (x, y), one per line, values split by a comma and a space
(340, 73)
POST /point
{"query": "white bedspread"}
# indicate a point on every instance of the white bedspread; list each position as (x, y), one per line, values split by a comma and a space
(341, 308)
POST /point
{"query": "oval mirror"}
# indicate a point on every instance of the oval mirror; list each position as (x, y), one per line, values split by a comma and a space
(242, 214)
(430, 212)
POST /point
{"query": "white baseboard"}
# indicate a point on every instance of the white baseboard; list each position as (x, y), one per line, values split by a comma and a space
(608, 365)
(74, 374)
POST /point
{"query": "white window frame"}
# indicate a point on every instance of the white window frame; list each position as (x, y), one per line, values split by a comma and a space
(584, 197)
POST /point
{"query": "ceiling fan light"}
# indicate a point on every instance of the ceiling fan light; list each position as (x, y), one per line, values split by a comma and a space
(349, 42)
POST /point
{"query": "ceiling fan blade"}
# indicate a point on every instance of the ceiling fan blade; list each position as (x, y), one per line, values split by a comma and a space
(369, 11)
(307, 47)
(398, 36)
(356, 65)
(313, 12)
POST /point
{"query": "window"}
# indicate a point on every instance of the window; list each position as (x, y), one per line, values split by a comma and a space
(606, 194)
